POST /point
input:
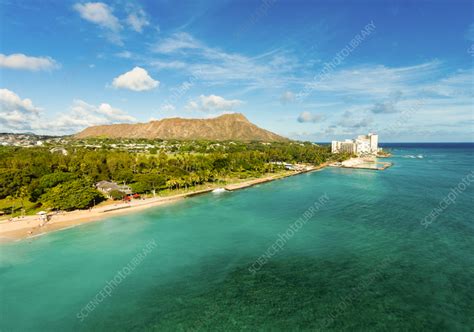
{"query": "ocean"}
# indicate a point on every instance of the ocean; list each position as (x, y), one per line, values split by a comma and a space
(333, 250)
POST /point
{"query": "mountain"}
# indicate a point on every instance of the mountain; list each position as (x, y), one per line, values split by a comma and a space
(225, 127)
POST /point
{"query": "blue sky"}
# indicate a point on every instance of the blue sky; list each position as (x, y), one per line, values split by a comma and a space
(318, 70)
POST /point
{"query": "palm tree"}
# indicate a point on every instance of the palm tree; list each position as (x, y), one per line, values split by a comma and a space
(171, 183)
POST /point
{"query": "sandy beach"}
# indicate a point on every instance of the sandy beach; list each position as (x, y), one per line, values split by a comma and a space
(370, 163)
(29, 226)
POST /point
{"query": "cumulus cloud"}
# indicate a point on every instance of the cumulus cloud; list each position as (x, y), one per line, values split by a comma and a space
(306, 117)
(98, 13)
(22, 61)
(213, 103)
(287, 97)
(137, 19)
(136, 79)
(84, 115)
(17, 113)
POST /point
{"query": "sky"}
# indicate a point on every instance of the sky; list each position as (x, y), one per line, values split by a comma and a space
(308, 70)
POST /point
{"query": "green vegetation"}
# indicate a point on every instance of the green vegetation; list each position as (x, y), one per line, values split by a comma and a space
(76, 194)
(35, 177)
(16, 206)
(116, 195)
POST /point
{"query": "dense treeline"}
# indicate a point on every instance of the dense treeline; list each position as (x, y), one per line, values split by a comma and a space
(66, 181)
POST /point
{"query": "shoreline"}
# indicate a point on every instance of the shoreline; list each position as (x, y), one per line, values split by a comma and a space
(363, 163)
(29, 227)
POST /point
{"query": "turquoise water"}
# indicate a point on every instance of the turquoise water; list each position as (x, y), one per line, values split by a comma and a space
(362, 262)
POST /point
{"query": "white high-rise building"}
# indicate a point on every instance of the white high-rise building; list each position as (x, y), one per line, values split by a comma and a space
(363, 144)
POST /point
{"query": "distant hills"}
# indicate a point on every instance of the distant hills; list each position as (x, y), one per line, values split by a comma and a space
(225, 127)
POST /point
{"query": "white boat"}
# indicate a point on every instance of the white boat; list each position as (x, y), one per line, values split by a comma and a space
(219, 190)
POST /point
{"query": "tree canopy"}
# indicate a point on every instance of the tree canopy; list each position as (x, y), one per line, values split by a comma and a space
(76, 194)
(66, 181)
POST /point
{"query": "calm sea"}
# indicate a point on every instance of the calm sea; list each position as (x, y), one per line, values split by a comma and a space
(381, 251)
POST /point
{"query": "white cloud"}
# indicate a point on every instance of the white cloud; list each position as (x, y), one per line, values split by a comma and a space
(305, 117)
(375, 97)
(17, 113)
(383, 89)
(158, 65)
(213, 103)
(456, 85)
(101, 14)
(11, 100)
(22, 61)
(136, 79)
(192, 105)
(377, 81)
(98, 13)
(84, 115)
(167, 108)
(178, 41)
(137, 19)
(269, 70)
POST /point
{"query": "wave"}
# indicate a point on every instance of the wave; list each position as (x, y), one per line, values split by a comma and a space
(420, 156)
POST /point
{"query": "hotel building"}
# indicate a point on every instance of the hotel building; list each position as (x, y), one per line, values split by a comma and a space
(362, 145)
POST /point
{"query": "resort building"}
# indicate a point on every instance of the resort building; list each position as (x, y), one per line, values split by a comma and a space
(106, 187)
(362, 145)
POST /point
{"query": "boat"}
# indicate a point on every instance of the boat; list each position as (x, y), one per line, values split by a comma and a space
(219, 190)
